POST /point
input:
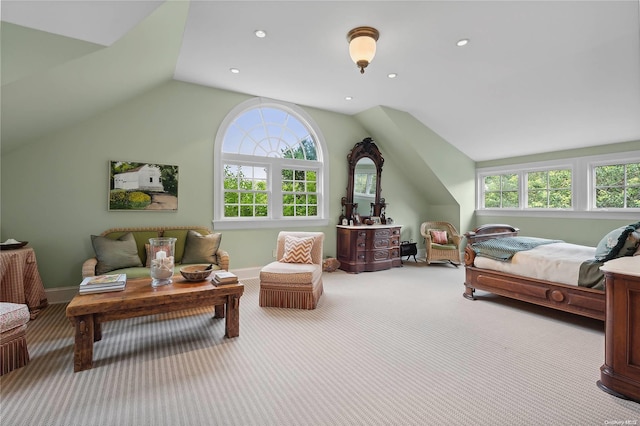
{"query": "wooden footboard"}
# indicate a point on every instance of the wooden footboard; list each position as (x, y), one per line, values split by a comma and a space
(578, 300)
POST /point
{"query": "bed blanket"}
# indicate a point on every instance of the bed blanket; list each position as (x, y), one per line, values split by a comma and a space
(503, 249)
(590, 275)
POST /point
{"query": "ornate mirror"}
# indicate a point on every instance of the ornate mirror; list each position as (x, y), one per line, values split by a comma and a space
(364, 181)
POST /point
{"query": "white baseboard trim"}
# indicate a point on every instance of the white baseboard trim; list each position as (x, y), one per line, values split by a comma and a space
(60, 294)
(65, 294)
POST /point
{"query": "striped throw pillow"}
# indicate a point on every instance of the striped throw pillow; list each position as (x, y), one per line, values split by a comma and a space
(439, 237)
(297, 250)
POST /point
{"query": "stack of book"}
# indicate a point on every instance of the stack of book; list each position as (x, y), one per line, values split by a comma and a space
(103, 283)
(224, 278)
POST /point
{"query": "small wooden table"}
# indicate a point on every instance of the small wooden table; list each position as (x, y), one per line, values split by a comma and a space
(88, 311)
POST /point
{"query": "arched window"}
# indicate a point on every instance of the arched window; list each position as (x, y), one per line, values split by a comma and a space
(270, 168)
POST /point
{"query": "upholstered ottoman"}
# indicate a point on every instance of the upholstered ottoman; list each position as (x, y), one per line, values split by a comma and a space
(13, 343)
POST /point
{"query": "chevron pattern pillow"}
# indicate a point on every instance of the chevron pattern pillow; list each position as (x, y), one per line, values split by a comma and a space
(297, 250)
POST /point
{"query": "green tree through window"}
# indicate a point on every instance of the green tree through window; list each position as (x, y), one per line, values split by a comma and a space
(617, 186)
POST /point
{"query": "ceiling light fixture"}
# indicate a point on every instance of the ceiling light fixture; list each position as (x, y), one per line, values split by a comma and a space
(260, 33)
(392, 75)
(362, 45)
(462, 42)
(234, 70)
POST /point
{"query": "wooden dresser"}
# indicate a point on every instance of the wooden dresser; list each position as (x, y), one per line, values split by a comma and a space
(620, 374)
(368, 248)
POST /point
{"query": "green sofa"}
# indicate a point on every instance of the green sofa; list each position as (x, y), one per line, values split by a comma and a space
(141, 236)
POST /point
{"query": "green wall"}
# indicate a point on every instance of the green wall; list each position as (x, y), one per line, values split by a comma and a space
(55, 189)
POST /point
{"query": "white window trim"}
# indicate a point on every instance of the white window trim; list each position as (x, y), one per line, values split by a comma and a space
(582, 190)
(220, 222)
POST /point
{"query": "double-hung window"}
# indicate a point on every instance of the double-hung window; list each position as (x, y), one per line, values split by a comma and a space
(269, 168)
(605, 185)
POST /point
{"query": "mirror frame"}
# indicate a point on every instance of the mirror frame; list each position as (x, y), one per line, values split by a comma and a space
(364, 149)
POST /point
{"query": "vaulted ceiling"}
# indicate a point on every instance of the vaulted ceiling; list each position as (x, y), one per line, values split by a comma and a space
(536, 76)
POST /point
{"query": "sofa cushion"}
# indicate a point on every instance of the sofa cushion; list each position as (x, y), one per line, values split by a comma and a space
(201, 248)
(115, 254)
(143, 272)
(181, 236)
(141, 237)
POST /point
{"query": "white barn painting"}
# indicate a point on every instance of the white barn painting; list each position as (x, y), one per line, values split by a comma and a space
(143, 178)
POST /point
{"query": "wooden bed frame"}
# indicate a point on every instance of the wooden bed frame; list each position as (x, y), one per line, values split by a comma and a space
(578, 300)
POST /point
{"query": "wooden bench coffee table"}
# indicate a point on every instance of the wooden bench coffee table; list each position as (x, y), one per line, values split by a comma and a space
(88, 311)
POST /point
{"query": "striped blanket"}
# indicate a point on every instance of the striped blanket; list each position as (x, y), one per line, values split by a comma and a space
(503, 249)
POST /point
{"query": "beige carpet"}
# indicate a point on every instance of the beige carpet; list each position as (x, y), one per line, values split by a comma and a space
(397, 347)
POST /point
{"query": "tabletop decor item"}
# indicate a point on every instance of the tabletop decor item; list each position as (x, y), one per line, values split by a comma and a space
(12, 244)
(162, 252)
(196, 272)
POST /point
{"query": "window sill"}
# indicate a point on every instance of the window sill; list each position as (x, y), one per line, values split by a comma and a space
(563, 214)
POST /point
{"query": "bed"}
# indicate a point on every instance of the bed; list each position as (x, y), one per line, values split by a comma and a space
(550, 286)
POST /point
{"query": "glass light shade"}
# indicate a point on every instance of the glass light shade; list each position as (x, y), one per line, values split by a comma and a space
(362, 48)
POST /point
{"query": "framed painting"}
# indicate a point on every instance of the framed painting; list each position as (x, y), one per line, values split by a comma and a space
(376, 220)
(142, 186)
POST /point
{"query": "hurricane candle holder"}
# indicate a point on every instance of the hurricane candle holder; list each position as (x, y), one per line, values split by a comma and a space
(161, 251)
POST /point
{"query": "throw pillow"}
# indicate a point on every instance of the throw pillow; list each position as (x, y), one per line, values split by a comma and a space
(297, 250)
(438, 236)
(617, 243)
(630, 245)
(115, 254)
(201, 248)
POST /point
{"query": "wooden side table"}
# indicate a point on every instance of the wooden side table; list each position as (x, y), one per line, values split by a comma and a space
(20, 279)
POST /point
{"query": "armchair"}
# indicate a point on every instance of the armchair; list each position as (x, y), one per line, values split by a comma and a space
(442, 242)
(295, 279)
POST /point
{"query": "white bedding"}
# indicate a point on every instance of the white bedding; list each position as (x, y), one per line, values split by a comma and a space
(556, 262)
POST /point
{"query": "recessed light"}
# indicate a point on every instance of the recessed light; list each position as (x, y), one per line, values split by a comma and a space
(348, 98)
(234, 70)
(260, 33)
(392, 75)
(462, 42)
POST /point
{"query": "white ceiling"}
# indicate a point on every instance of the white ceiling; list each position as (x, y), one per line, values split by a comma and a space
(536, 76)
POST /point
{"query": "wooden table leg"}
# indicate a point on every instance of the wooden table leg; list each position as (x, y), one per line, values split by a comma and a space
(232, 322)
(83, 347)
(97, 331)
(219, 311)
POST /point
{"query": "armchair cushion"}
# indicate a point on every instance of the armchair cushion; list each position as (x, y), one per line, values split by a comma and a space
(297, 250)
(115, 254)
(200, 248)
(438, 236)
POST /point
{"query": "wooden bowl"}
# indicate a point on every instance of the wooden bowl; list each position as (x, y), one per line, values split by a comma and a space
(196, 272)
